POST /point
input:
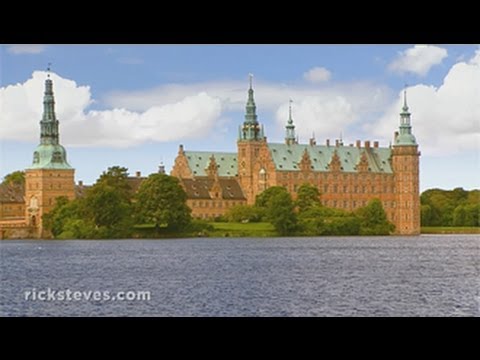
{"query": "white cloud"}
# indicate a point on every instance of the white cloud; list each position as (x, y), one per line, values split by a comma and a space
(25, 49)
(320, 110)
(418, 59)
(317, 75)
(325, 115)
(446, 119)
(475, 60)
(21, 109)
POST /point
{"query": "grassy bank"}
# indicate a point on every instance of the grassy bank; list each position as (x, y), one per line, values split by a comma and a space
(219, 229)
(450, 230)
(261, 229)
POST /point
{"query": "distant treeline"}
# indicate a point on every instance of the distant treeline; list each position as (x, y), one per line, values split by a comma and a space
(457, 207)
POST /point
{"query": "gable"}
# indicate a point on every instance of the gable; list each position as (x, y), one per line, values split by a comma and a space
(198, 162)
(288, 157)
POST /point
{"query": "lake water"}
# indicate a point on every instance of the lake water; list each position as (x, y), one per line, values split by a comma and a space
(337, 276)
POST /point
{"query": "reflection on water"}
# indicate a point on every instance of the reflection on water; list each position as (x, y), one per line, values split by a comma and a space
(349, 276)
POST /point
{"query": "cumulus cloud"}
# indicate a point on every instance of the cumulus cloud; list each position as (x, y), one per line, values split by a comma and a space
(445, 119)
(321, 110)
(418, 59)
(317, 75)
(25, 49)
(21, 109)
(325, 115)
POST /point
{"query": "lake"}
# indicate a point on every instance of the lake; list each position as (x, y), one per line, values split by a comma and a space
(428, 275)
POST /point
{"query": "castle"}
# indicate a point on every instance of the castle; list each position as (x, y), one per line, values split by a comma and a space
(347, 176)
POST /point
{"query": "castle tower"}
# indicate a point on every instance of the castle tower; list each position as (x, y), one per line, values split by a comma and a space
(405, 162)
(250, 142)
(290, 128)
(50, 175)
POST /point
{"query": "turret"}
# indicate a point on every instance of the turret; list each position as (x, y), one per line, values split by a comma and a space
(290, 128)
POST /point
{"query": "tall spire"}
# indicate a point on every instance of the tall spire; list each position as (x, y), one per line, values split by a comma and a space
(251, 130)
(251, 108)
(405, 106)
(290, 128)
(405, 136)
(49, 154)
(49, 122)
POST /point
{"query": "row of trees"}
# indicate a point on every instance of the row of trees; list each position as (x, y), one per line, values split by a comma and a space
(110, 209)
(307, 216)
(457, 207)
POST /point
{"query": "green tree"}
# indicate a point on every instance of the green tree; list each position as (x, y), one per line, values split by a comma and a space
(162, 201)
(14, 178)
(244, 213)
(472, 215)
(116, 177)
(459, 216)
(110, 211)
(63, 211)
(262, 199)
(308, 196)
(373, 219)
(280, 212)
(426, 215)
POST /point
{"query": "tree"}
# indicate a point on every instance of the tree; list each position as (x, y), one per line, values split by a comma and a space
(63, 211)
(162, 200)
(116, 177)
(262, 199)
(244, 213)
(308, 196)
(373, 219)
(109, 209)
(426, 215)
(14, 178)
(280, 212)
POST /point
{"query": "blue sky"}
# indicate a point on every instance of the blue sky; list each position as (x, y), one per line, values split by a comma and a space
(132, 105)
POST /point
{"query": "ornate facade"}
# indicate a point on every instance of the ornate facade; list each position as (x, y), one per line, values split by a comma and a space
(348, 176)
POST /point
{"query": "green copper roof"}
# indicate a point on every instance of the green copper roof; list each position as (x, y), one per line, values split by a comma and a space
(198, 162)
(49, 154)
(405, 136)
(50, 157)
(287, 157)
(251, 129)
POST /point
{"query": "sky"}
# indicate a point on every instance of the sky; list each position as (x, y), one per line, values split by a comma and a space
(133, 105)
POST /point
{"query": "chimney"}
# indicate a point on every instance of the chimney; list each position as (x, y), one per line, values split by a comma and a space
(337, 143)
(367, 144)
(350, 145)
(312, 142)
(395, 135)
(358, 144)
(328, 142)
(138, 174)
(80, 183)
(180, 149)
(375, 144)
